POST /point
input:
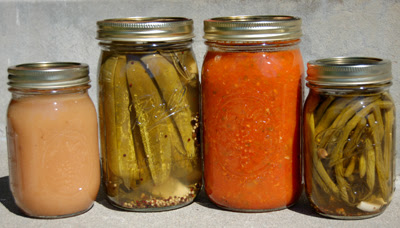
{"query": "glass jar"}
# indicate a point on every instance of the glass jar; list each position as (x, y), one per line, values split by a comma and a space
(52, 138)
(149, 113)
(349, 137)
(252, 86)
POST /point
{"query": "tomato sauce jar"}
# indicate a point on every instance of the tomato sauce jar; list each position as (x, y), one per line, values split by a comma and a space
(52, 139)
(252, 92)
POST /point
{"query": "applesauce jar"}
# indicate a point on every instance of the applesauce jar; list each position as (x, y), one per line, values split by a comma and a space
(52, 139)
(252, 90)
(349, 137)
(149, 113)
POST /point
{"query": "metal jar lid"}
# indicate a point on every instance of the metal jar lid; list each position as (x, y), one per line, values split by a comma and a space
(253, 28)
(145, 29)
(48, 75)
(349, 71)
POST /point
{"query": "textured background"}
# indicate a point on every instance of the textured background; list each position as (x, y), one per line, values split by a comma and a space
(56, 30)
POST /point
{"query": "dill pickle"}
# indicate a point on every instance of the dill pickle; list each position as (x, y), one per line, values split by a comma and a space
(151, 119)
(182, 165)
(185, 65)
(144, 172)
(173, 92)
(121, 157)
(184, 159)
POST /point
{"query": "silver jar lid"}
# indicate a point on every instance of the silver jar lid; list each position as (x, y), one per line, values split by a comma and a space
(145, 29)
(48, 75)
(349, 71)
(253, 28)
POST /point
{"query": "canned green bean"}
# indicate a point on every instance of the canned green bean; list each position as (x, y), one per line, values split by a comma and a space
(349, 137)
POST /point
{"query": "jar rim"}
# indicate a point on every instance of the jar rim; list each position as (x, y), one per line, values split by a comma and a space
(253, 28)
(349, 71)
(145, 29)
(48, 75)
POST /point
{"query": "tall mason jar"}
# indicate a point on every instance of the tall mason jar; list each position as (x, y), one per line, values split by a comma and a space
(149, 113)
(52, 139)
(252, 79)
(349, 137)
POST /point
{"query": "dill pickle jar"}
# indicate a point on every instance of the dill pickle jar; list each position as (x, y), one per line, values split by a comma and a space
(349, 137)
(252, 92)
(149, 112)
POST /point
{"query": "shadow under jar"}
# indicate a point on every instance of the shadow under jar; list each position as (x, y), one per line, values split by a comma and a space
(252, 100)
(149, 113)
(52, 138)
(349, 137)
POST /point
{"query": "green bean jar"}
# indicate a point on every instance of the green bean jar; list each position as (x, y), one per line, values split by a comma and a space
(149, 112)
(349, 137)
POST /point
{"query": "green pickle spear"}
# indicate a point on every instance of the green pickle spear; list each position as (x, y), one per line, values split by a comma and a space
(174, 93)
(144, 172)
(152, 121)
(185, 65)
(121, 157)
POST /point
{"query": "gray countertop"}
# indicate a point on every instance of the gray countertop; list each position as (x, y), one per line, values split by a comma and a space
(201, 213)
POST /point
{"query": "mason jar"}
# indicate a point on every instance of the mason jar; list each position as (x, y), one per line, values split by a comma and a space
(52, 138)
(149, 112)
(349, 137)
(252, 91)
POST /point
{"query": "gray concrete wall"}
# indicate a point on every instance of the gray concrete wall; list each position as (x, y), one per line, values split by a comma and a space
(59, 30)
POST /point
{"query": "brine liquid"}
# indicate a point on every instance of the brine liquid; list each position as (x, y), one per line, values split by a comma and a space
(149, 126)
(349, 152)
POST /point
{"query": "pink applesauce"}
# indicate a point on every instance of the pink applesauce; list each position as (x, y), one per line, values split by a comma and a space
(53, 151)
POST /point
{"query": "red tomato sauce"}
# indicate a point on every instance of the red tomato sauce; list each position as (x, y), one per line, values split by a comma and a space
(251, 115)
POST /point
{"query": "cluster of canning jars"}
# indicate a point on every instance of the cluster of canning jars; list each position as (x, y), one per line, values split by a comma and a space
(249, 123)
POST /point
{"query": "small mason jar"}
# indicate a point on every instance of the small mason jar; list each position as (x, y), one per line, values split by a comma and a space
(52, 138)
(349, 137)
(149, 113)
(252, 92)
